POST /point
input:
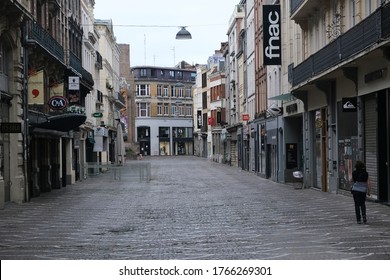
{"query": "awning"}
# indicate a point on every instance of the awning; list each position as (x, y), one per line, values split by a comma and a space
(283, 97)
(63, 122)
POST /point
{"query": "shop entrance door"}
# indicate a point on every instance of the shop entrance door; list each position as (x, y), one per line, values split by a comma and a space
(320, 150)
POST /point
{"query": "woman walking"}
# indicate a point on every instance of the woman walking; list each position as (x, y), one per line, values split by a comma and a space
(360, 189)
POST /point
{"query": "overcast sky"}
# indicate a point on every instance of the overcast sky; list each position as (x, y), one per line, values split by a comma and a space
(206, 20)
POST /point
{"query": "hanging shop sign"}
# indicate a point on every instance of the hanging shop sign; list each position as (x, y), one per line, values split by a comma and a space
(10, 127)
(97, 115)
(36, 92)
(74, 83)
(272, 40)
(349, 104)
(57, 103)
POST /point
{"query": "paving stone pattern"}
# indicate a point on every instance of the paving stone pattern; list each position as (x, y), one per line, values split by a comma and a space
(191, 209)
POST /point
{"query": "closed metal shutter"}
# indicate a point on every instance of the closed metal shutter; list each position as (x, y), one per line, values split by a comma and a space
(371, 139)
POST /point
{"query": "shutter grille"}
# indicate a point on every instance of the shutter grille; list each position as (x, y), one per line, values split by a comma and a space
(371, 139)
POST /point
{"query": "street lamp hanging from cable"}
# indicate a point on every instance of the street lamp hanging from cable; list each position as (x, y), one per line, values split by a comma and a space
(183, 34)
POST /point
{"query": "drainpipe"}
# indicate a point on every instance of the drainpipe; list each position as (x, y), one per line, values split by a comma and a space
(26, 42)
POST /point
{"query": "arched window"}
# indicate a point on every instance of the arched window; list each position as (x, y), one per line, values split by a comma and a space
(4, 57)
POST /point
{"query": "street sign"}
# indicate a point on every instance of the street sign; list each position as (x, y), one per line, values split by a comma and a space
(11, 127)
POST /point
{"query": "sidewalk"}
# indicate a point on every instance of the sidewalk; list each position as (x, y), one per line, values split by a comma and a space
(191, 209)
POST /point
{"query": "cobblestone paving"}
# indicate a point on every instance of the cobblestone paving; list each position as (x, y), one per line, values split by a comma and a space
(191, 209)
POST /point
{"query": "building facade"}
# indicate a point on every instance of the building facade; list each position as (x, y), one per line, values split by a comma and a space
(164, 106)
(49, 62)
(210, 108)
(342, 80)
(235, 84)
(13, 73)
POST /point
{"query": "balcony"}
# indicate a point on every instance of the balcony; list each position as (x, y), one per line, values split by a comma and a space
(302, 8)
(43, 38)
(355, 41)
(75, 63)
(120, 102)
(239, 12)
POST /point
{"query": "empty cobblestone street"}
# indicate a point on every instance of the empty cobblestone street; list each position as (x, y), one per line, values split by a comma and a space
(191, 209)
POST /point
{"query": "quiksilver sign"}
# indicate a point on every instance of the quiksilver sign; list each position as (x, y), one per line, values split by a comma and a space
(272, 40)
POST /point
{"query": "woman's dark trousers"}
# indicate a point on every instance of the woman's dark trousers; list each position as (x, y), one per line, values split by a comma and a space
(360, 205)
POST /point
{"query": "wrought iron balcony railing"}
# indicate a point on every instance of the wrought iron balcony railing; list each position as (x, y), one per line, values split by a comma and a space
(367, 33)
(43, 38)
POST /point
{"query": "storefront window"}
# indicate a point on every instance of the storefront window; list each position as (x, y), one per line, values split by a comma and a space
(347, 145)
(164, 137)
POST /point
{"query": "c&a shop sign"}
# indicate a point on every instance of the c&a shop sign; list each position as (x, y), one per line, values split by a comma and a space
(57, 102)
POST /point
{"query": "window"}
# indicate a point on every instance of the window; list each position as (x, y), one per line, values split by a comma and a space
(143, 109)
(162, 73)
(204, 80)
(189, 110)
(143, 90)
(165, 91)
(4, 84)
(153, 73)
(171, 74)
(3, 60)
(173, 110)
(181, 110)
(188, 92)
(143, 72)
(163, 132)
(368, 7)
(193, 76)
(180, 92)
(159, 90)
(166, 110)
(173, 94)
(179, 75)
(353, 12)
(159, 109)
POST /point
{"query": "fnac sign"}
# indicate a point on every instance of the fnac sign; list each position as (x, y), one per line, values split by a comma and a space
(272, 40)
(57, 103)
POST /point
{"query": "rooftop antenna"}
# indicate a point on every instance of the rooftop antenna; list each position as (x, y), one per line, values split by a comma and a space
(174, 55)
(144, 49)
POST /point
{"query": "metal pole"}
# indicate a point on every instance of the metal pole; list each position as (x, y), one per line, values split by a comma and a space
(26, 137)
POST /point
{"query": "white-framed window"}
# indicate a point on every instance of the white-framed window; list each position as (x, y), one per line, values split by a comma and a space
(188, 110)
(181, 110)
(166, 110)
(159, 90)
(173, 110)
(180, 92)
(143, 109)
(165, 91)
(159, 109)
(188, 92)
(143, 90)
